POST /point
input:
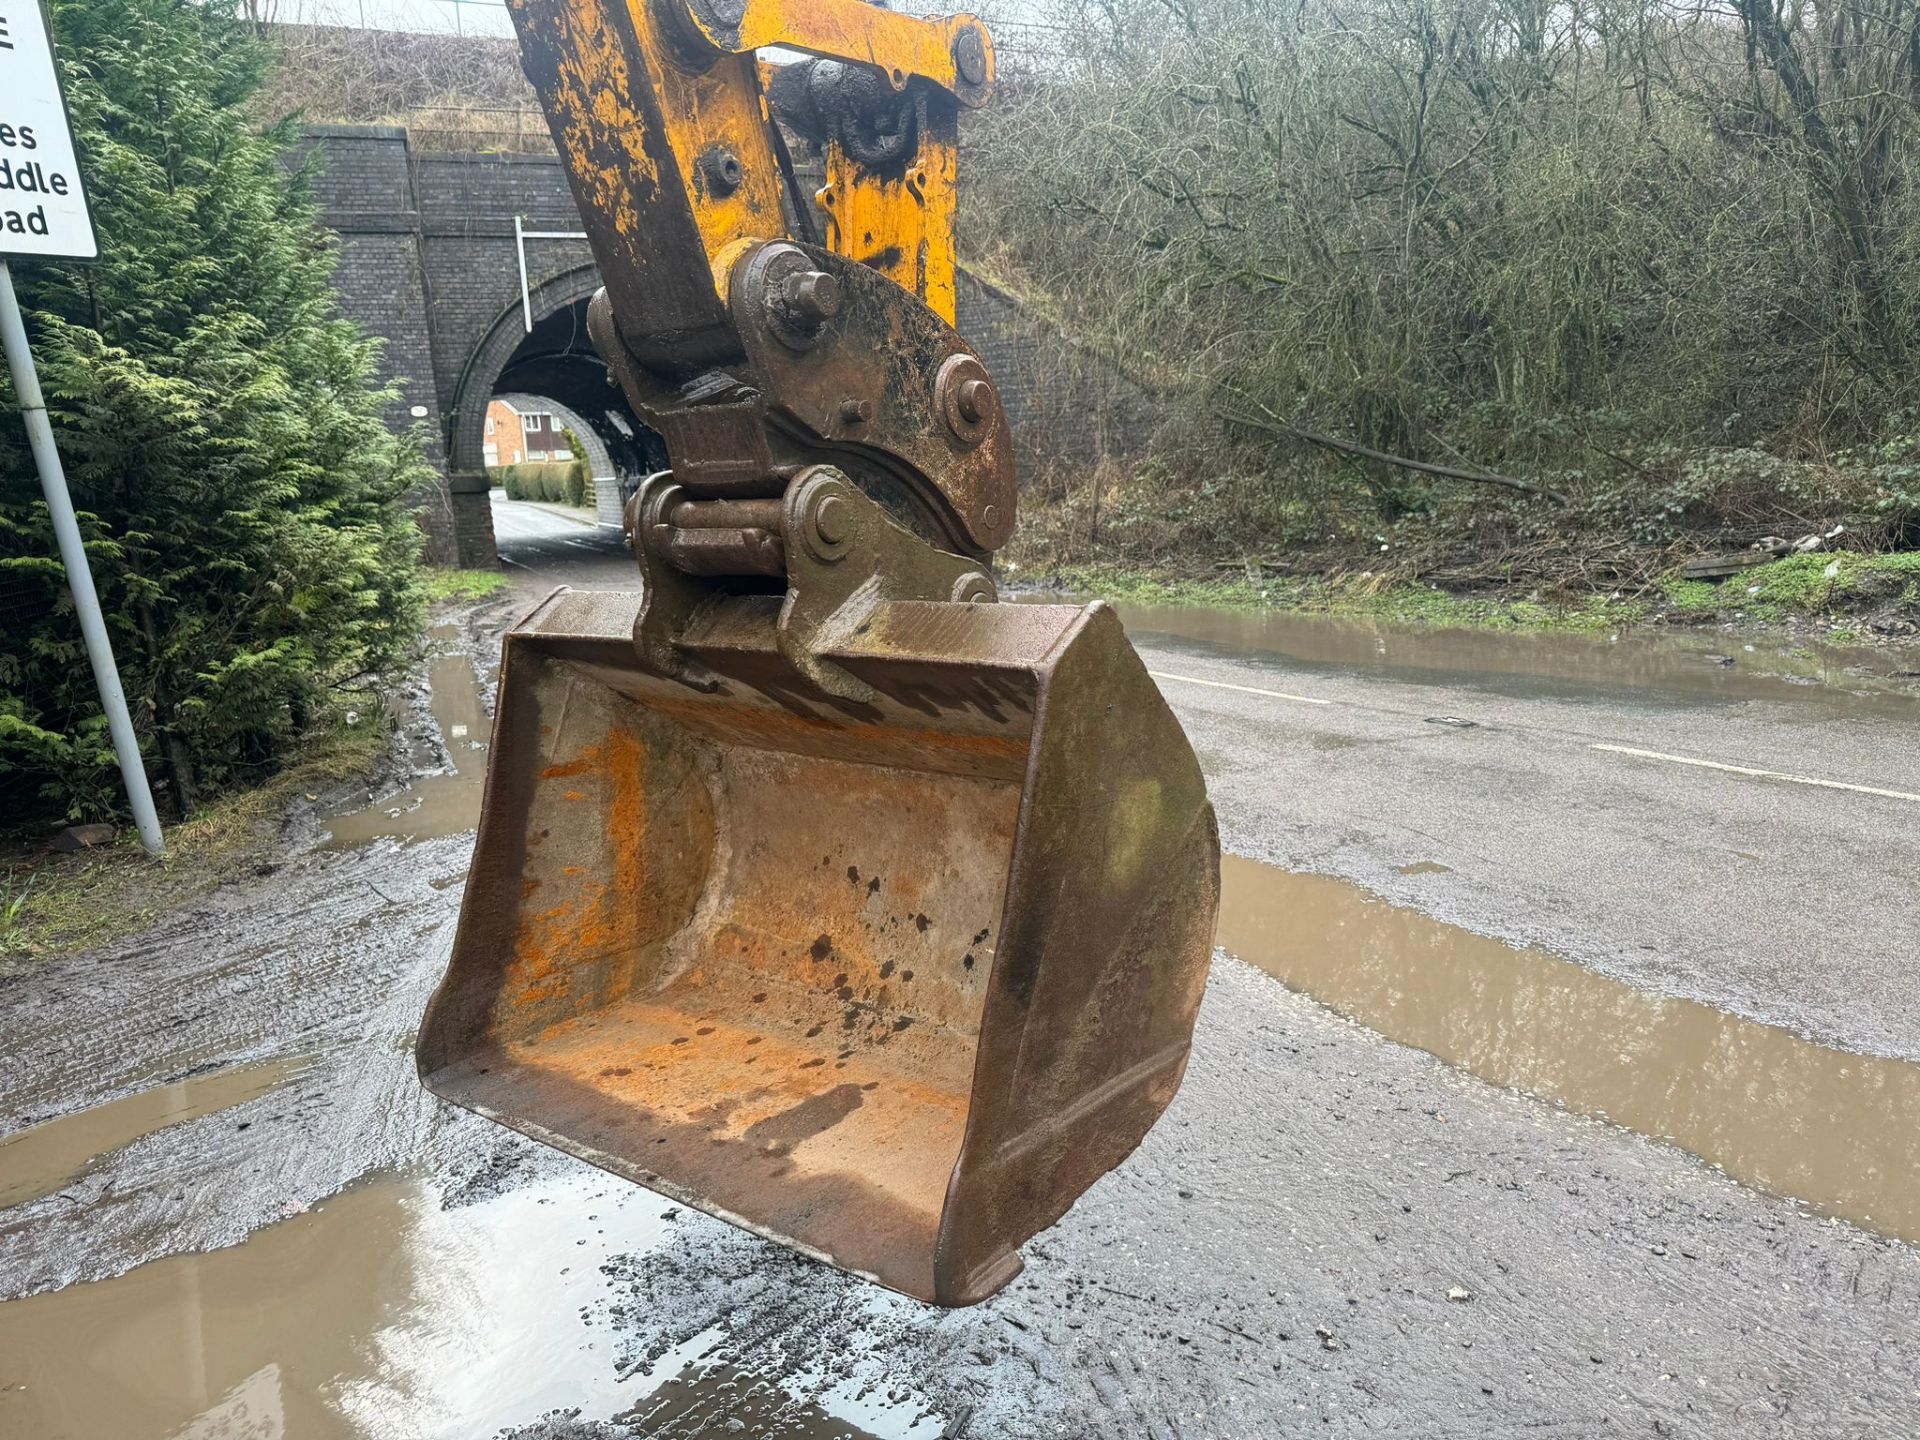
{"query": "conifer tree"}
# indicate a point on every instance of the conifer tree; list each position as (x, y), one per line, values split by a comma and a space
(221, 428)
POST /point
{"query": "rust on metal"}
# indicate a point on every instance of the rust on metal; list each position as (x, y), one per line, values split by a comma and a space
(894, 356)
(891, 986)
(812, 886)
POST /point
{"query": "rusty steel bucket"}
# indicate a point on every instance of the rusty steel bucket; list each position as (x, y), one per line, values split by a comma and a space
(890, 981)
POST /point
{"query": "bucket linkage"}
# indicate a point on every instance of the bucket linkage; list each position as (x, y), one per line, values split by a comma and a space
(815, 887)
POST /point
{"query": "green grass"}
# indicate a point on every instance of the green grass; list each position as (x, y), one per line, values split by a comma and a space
(1795, 588)
(56, 902)
(469, 585)
(1399, 602)
(1801, 587)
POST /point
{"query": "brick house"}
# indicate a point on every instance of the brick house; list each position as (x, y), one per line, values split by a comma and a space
(505, 443)
(517, 432)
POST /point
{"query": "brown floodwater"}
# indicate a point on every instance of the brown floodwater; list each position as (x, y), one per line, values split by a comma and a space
(443, 804)
(1643, 665)
(379, 1313)
(1837, 1130)
(45, 1158)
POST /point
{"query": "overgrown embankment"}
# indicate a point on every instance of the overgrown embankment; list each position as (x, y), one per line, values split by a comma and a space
(1502, 298)
(1504, 562)
(452, 92)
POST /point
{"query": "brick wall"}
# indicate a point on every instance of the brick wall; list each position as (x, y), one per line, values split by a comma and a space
(1067, 405)
(361, 176)
(467, 203)
(428, 264)
(505, 435)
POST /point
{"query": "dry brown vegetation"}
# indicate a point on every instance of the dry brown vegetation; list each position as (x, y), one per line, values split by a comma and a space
(1609, 282)
(452, 92)
(1658, 260)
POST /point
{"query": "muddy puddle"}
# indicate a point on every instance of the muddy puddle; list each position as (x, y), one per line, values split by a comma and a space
(443, 804)
(1654, 667)
(1837, 1130)
(381, 1313)
(43, 1159)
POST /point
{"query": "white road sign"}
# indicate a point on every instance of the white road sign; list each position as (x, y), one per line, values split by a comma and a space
(43, 206)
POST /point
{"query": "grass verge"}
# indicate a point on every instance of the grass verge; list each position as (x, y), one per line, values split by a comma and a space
(51, 902)
(1362, 597)
(1833, 586)
(1849, 595)
(465, 585)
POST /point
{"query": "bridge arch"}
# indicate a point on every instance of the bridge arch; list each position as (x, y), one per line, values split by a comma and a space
(430, 264)
(553, 360)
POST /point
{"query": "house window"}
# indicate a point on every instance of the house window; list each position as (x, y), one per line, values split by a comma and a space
(543, 435)
(489, 424)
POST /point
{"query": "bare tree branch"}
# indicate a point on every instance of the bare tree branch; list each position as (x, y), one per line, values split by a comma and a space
(1364, 452)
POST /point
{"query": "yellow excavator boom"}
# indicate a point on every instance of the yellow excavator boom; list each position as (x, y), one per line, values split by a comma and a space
(815, 887)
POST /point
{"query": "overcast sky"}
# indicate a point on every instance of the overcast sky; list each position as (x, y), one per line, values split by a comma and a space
(489, 17)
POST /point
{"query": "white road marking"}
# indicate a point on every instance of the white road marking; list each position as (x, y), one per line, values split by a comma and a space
(1758, 773)
(1243, 689)
(1753, 771)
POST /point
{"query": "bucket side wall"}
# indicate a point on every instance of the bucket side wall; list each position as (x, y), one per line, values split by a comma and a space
(1105, 946)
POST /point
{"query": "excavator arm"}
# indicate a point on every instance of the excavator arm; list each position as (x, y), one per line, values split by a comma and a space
(813, 887)
(662, 112)
(754, 353)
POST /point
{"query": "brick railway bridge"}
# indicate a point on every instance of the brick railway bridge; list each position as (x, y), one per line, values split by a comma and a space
(429, 263)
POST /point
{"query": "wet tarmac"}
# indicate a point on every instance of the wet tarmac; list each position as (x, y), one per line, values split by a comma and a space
(380, 1313)
(42, 1159)
(1283, 1256)
(383, 1310)
(1837, 1130)
(445, 803)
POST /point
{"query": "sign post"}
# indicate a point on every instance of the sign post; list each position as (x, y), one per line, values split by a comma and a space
(43, 213)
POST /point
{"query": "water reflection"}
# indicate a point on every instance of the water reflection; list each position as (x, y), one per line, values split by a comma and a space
(379, 1313)
(39, 1160)
(434, 804)
(1642, 664)
(1838, 1130)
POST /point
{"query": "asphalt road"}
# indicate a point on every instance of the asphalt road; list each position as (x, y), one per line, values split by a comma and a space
(1328, 1234)
(1623, 829)
(1581, 809)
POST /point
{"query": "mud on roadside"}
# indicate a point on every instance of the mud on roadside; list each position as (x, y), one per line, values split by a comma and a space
(1281, 1256)
(98, 896)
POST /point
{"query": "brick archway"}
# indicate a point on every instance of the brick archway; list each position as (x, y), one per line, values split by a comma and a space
(429, 264)
(504, 339)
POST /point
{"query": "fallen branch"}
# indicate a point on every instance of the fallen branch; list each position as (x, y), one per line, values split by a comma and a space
(1362, 452)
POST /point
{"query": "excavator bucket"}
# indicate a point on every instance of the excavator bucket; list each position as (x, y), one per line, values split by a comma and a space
(891, 981)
